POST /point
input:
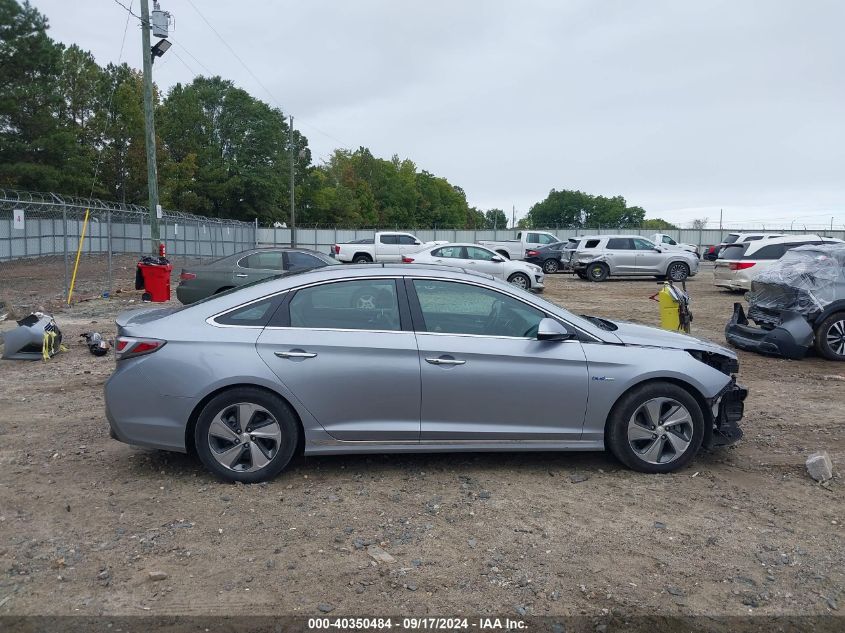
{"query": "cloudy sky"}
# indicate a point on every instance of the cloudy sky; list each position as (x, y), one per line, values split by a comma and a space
(684, 108)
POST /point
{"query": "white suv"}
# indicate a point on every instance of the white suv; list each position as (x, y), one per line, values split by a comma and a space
(740, 262)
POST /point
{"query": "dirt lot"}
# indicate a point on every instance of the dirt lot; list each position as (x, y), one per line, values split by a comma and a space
(85, 519)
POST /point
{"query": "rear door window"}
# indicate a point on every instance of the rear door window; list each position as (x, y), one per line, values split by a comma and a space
(620, 244)
(388, 239)
(269, 260)
(361, 304)
(452, 252)
(771, 251)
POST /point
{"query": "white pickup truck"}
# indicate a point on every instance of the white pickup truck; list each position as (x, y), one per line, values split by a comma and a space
(383, 247)
(671, 245)
(515, 249)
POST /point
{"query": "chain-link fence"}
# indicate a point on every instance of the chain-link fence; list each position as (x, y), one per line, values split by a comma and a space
(49, 227)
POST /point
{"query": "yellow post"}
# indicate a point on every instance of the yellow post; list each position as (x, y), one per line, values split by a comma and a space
(78, 253)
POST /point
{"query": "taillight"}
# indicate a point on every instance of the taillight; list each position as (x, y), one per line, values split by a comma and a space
(336, 249)
(407, 260)
(532, 253)
(129, 346)
(185, 276)
(740, 265)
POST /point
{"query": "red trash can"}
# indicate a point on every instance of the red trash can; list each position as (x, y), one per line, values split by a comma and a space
(156, 278)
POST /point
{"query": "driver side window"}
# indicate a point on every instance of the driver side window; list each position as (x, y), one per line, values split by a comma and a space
(643, 245)
(456, 308)
(481, 254)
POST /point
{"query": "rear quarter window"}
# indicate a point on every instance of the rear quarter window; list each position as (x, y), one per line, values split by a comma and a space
(591, 244)
(771, 251)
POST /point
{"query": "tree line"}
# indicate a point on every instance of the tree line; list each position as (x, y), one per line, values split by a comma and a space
(72, 126)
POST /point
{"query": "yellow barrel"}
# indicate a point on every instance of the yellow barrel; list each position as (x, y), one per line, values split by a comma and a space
(670, 318)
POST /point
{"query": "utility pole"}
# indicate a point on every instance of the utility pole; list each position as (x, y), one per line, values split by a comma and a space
(513, 216)
(149, 125)
(720, 219)
(292, 191)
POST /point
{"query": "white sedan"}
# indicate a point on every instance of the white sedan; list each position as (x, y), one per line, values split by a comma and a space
(474, 257)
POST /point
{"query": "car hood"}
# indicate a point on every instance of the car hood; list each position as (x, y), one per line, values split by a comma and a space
(647, 336)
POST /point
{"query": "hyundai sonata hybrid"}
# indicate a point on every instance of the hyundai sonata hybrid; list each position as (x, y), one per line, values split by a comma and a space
(410, 358)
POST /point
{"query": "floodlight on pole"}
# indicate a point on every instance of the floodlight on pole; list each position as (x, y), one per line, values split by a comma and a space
(159, 49)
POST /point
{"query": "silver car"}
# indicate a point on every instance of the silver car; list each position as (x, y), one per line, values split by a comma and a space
(597, 257)
(410, 358)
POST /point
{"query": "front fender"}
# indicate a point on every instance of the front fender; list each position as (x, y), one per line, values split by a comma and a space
(614, 369)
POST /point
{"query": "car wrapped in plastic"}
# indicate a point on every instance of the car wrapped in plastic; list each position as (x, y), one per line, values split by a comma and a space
(797, 303)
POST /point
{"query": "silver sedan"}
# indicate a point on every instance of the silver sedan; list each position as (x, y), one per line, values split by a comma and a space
(406, 358)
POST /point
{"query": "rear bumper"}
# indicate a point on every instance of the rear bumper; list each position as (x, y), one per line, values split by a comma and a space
(792, 338)
(733, 284)
(187, 294)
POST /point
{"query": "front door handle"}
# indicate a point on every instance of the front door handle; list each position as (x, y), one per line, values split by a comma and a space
(241, 275)
(295, 354)
(445, 361)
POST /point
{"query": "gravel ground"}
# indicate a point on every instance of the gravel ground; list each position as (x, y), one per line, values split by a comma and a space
(91, 526)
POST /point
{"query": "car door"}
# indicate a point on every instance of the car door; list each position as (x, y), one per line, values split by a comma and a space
(387, 248)
(621, 255)
(347, 352)
(485, 261)
(649, 261)
(484, 375)
(407, 244)
(450, 256)
(257, 266)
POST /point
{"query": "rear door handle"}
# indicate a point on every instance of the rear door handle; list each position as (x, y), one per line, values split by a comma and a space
(445, 361)
(295, 354)
(241, 275)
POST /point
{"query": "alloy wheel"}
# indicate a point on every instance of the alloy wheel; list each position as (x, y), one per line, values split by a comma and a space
(550, 266)
(520, 281)
(677, 272)
(660, 430)
(244, 437)
(836, 337)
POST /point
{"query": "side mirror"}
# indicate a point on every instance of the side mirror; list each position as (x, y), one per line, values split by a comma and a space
(417, 243)
(497, 258)
(551, 330)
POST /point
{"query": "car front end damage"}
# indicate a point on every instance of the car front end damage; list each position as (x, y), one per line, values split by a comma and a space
(727, 408)
(789, 335)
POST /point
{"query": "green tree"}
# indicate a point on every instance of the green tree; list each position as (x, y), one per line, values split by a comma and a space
(495, 219)
(657, 223)
(34, 147)
(576, 209)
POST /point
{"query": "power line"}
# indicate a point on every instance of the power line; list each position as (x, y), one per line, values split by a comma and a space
(258, 81)
(111, 97)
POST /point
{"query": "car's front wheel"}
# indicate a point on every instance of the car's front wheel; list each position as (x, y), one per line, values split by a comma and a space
(520, 280)
(551, 266)
(655, 428)
(678, 271)
(830, 337)
(246, 435)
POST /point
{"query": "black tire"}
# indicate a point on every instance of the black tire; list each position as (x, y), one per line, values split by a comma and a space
(677, 271)
(830, 337)
(616, 430)
(504, 254)
(362, 258)
(520, 280)
(597, 272)
(224, 404)
(551, 266)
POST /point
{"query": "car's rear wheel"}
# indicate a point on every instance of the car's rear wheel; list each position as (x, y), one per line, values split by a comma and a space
(246, 435)
(520, 280)
(362, 259)
(655, 428)
(551, 266)
(597, 272)
(830, 337)
(678, 271)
